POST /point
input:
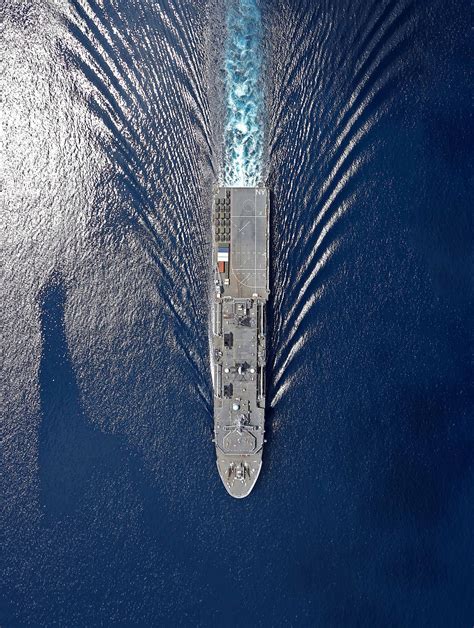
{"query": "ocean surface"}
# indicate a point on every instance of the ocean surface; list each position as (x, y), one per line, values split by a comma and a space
(118, 117)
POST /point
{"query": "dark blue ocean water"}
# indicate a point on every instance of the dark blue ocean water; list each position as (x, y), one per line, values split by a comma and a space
(116, 118)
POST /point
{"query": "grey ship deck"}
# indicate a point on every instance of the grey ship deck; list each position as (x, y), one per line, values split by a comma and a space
(240, 260)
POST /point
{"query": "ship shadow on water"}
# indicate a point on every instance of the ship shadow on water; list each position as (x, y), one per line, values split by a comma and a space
(270, 349)
(80, 466)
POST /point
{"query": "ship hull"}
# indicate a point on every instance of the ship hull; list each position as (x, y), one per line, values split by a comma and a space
(241, 290)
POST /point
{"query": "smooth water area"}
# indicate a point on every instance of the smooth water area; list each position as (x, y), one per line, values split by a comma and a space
(117, 122)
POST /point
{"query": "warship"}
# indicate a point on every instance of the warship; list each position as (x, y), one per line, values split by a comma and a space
(240, 251)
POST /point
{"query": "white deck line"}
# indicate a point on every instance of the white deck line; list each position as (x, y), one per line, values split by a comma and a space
(255, 237)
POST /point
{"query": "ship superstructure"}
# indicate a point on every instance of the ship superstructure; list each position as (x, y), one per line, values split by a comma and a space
(240, 260)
